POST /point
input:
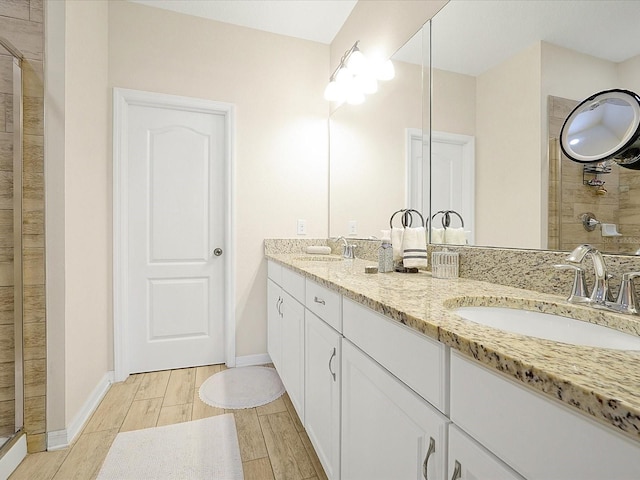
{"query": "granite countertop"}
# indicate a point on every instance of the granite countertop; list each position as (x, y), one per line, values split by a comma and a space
(602, 383)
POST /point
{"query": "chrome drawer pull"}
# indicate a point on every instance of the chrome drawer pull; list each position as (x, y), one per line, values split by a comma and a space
(330, 360)
(425, 464)
(457, 472)
(319, 300)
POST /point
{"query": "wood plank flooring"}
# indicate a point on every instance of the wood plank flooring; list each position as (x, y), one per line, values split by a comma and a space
(273, 443)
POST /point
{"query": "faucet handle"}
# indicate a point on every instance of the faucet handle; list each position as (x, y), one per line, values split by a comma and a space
(579, 290)
(626, 301)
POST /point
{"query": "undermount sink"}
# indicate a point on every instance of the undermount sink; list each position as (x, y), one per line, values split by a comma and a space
(318, 258)
(549, 327)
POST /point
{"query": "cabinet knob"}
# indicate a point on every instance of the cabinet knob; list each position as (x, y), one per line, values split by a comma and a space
(425, 464)
(217, 252)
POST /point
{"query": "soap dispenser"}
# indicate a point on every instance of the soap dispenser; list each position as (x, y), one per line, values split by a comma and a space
(385, 253)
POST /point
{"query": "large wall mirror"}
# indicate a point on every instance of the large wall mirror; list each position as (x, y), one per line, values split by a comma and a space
(504, 76)
(372, 146)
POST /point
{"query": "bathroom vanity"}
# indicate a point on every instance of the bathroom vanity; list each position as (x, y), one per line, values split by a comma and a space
(390, 383)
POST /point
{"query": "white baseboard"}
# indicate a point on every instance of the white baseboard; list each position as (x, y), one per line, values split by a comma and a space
(59, 439)
(10, 460)
(248, 360)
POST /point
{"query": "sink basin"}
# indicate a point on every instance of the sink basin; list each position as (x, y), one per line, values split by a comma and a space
(318, 258)
(549, 327)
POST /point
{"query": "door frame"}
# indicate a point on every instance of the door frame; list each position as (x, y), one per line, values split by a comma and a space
(122, 100)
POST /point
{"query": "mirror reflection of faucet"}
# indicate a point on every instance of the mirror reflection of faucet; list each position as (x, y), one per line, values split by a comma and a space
(348, 251)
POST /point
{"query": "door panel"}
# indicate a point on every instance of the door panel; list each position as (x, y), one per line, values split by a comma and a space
(175, 220)
(177, 187)
(178, 298)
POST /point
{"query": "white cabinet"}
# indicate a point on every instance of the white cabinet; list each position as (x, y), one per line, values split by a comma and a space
(420, 362)
(285, 330)
(274, 322)
(375, 402)
(469, 461)
(292, 348)
(388, 431)
(539, 438)
(322, 391)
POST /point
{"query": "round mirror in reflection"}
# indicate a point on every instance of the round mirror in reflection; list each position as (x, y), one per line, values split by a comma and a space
(604, 126)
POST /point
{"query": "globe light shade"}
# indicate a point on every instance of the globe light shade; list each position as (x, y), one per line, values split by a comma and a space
(344, 76)
(355, 97)
(332, 92)
(385, 70)
(366, 83)
(356, 63)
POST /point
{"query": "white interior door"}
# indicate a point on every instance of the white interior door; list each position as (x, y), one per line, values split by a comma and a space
(174, 236)
(452, 169)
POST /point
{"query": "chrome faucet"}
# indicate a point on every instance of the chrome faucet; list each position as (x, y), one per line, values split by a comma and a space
(348, 251)
(626, 302)
(600, 293)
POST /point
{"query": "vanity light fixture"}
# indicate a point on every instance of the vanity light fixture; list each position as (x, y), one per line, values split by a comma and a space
(356, 76)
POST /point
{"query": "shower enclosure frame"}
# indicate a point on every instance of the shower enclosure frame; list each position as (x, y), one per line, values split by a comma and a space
(17, 234)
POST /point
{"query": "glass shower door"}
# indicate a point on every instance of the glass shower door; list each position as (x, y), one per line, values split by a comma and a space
(11, 354)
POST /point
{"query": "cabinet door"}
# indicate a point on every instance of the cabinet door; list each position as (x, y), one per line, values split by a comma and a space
(292, 361)
(322, 392)
(469, 461)
(387, 429)
(274, 322)
(538, 438)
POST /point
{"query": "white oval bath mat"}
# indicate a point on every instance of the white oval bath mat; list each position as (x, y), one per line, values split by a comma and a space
(242, 387)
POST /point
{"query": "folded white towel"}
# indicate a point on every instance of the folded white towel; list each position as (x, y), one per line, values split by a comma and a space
(437, 235)
(414, 248)
(455, 236)
(396, 242)
(318, 249)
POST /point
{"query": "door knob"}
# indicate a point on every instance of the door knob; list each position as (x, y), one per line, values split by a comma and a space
(217, 252)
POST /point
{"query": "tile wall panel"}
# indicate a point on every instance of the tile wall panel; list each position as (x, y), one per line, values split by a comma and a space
(21, 22)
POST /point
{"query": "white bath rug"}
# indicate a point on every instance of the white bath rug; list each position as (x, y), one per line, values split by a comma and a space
(202, 449)
(242, 387)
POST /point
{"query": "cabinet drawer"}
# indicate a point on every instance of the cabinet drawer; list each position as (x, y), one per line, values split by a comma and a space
(550, 440)
(274, 272)
(324, 303)
(473, 461)
(420, 362)
(293, 284)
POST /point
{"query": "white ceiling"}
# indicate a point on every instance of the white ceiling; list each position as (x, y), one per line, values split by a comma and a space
(317, 20)
(470, 36)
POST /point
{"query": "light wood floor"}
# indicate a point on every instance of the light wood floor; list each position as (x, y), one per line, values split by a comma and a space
(273, 443)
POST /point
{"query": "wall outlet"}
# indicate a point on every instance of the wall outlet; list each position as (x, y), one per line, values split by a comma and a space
(302, 227)
(353, 227)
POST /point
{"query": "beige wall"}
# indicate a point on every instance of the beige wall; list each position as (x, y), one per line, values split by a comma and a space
(88, 317)
(570, 74)
(453, 108)
(281, 144)
(508, 163)
(629, 74)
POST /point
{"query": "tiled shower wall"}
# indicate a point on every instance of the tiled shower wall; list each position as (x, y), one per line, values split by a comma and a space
(21, 22)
